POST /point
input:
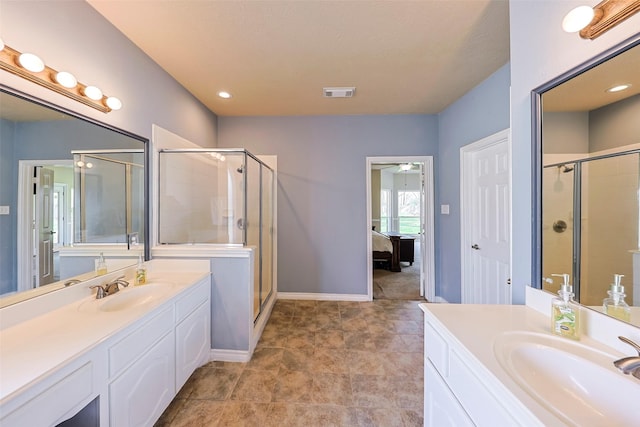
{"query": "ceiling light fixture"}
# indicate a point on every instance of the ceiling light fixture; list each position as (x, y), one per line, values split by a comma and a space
(223, 94)
(593, 22)
(406, 167)
(32, 68)
(618, 88)
(66, 79)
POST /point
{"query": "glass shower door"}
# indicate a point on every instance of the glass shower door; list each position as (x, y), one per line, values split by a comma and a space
(557, 223)
(252, 177)
(267, 234)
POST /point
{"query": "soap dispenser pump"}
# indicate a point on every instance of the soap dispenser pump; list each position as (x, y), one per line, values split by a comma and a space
(615, 305)
(101, 265)
(565, 313)
(141, 271)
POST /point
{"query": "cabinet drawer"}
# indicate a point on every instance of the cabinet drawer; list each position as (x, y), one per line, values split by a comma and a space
(55, 402)
(193, 299)
(467, 387)
(436, 349)
(133, 345)
(441, 408)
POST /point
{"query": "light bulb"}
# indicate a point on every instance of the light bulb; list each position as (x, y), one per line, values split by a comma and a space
(93, 92)
(66, 79)
(89, 165)
(1, 44)
(577, 19)
(223, 94)
(31, 62)
(114, 103)
(80, 163)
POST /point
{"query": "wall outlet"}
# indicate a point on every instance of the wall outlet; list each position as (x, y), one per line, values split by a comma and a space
(4, 210)
(444, 209)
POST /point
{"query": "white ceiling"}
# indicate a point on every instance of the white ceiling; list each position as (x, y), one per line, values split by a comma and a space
(275, 57)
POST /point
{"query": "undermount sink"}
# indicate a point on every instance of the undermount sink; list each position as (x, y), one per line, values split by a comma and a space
(127, 298)
(579, 384)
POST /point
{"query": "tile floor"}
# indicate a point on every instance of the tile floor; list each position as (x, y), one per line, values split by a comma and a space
(318, 363)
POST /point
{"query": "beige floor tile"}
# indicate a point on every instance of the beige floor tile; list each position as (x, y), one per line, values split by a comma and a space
(329, 360)
(403, 364)
(333, 389)
(199, 413)
(214, 383)
(170, 413)
(366, 363)
(373, 417)
(266, 359)
(300, 339)
(241, 414)
(359, 341)
(297, 415)
(328, 321)
(304, 323)
(298, 359)
(330, 338)
(373, 391)
(293, 386)
(255, 386)
(355, 324)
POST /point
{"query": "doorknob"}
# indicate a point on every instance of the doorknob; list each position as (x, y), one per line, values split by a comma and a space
(475, 246)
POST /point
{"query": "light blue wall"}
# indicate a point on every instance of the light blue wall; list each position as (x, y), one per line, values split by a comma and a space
(540, 51)
(322, 224)
(7, 230)
(481, 112)
(615, 125)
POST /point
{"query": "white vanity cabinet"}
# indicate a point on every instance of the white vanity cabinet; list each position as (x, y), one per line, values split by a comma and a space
(150, 365)
(106, 368)
(458, 389)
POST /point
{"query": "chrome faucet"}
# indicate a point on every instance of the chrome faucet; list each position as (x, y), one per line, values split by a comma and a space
(631, 364)
(110, 288)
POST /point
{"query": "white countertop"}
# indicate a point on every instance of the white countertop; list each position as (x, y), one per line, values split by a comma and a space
(476, 327)
(31, 350)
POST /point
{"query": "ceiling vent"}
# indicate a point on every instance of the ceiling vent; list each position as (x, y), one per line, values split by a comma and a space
(338, 92)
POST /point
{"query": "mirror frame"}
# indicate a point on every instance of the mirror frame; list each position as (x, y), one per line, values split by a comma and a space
(147, 160)
(536, 145)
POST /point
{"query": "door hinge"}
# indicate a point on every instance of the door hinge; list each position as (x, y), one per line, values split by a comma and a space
(508, 281)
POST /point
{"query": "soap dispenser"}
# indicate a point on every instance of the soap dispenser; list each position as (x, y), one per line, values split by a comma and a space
(615, 305)
(141, 272)
(565, 313)
(101, 265)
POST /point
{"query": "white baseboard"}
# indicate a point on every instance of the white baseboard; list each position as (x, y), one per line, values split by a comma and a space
(440, 300)
(322, 297)
(229, 356)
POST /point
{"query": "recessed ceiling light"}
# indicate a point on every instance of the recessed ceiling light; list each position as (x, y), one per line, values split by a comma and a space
(577, 19)
(618, 88)
(223, 94)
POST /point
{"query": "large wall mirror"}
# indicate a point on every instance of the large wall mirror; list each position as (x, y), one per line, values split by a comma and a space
(71, 190)
(587, 181)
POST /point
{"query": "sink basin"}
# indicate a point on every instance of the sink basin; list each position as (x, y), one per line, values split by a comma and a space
(579, 384)
(129, 297)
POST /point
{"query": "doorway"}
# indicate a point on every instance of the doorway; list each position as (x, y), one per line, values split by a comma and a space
(400, 208)
(485, 180)
(44, 220)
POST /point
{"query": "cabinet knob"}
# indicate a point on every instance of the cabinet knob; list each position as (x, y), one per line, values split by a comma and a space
(475, 246)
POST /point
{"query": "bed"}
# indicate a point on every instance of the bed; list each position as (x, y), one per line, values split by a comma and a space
(386, 248)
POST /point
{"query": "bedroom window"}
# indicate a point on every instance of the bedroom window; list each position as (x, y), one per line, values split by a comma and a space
(385, 210)
(409, 212)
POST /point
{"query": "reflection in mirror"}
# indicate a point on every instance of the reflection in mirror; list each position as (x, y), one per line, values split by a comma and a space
(70, 190)
(590, 183)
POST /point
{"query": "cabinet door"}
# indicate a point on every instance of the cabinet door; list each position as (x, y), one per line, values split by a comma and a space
(144, 390)
(192, 343)
(441, 408)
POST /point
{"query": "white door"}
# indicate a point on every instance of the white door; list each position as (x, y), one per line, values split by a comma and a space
(486, 216)
(44, 224)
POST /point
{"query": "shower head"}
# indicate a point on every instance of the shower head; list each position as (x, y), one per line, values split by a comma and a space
(565, 168)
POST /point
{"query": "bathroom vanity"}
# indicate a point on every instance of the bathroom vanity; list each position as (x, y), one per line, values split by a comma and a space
(500, 365)
(115, 361)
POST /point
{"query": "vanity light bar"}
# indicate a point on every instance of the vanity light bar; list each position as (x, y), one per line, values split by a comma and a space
(63, 83)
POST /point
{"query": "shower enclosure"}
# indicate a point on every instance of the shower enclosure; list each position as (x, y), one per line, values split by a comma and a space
(590, 211)
(222, 198)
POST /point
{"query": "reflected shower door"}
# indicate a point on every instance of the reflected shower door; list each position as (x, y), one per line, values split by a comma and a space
(557, 223)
